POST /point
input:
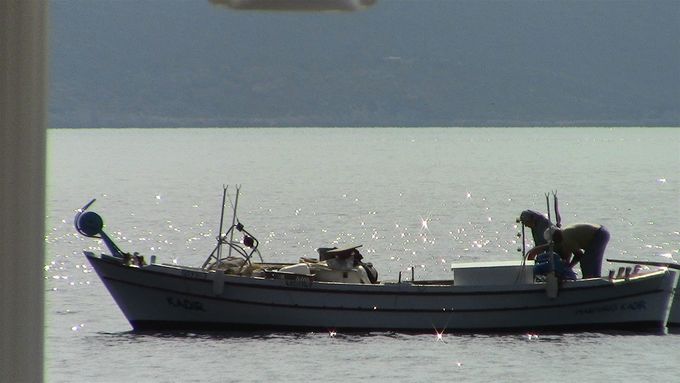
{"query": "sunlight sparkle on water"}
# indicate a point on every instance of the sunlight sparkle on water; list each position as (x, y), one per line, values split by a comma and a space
(423, 223)
(439, 335)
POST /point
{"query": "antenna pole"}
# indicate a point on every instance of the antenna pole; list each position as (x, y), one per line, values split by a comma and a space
(219, 234)
(233, 218)
(524, 246)
(558, 218)
(551, 283)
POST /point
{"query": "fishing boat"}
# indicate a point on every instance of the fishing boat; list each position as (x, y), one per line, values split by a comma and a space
(235, 289)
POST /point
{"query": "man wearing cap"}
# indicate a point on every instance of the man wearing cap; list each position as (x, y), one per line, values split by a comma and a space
(538, 224)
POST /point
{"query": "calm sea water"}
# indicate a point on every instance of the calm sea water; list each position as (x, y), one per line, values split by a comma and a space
(412, 197)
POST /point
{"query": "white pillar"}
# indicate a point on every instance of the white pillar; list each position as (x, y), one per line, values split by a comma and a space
(23, 53)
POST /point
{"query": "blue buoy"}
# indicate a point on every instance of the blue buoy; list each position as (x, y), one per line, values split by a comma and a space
(562, 270)
(90, 224)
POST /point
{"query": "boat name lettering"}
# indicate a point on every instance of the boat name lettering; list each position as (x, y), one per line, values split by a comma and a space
(298, 282)
(185, 304)
(193, 274)
(632, 306)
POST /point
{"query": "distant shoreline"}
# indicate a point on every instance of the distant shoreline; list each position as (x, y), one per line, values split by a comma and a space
(380, 127)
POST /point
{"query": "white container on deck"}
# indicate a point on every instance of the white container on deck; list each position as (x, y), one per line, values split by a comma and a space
(493, 273)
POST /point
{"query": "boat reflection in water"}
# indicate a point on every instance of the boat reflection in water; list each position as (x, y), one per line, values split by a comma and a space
(338, 290)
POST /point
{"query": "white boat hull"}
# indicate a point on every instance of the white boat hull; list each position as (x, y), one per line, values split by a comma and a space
(674, 317)
(157, 297)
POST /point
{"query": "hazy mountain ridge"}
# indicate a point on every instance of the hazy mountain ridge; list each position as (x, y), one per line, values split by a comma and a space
(401, 63)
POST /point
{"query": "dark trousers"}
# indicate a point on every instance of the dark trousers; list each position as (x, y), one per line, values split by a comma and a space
(591, 263)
